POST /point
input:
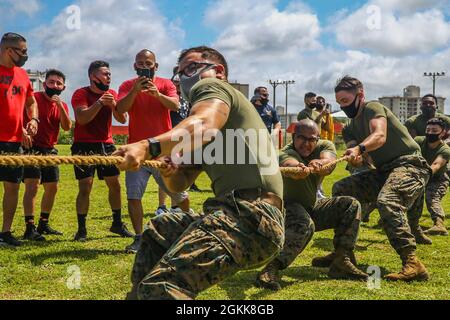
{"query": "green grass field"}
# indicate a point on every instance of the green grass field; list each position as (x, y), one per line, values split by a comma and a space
(42, 270)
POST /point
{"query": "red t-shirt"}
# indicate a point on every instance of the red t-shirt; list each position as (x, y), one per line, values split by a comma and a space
(50, 118)
(15, 89)
(99, 129)
(148, 116)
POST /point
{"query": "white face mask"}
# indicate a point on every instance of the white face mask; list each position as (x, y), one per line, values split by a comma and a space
(187, 83)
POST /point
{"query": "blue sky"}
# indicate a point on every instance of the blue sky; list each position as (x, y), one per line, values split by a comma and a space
(189, 11)
(312, 42)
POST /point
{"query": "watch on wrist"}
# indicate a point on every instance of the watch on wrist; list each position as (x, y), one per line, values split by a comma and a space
(362, 148)
(154, 148)
(36, 119)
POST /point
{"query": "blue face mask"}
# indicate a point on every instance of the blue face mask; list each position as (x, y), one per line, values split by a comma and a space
(187, 83)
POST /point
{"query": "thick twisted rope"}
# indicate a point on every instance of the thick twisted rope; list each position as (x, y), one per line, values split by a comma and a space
(51, 161)
(329, 166)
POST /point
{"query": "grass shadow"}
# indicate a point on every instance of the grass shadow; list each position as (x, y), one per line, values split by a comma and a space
(68, 256)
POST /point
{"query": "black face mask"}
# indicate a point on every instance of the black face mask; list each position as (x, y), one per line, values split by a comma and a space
(100, 86)
(21, 61)
(50, 92)
(428, 112)
(312, 106)
(352, 110)
(432, 138)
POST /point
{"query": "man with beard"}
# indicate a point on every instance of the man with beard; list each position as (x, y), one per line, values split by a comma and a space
(305, 214)
(400, 178)
(94, 107)
(148, 100)
(53, 114)
(16, 96)
(184, 254)
(267, 112)
(437, 154)
(310, 111)
(417, 125)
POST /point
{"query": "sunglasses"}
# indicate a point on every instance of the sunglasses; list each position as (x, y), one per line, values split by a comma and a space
(306, 139)
(22, 51)
(191, 69)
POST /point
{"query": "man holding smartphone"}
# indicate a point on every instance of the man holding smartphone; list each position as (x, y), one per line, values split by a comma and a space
(148, 100)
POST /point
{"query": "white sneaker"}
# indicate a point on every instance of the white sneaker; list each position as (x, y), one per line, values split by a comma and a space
(161, 211)
(321, 195)
(178, 210)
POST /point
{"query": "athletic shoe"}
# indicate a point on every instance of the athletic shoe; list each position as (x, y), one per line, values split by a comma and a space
(81, 236)
(44, 228)
(134, 247)
(161, 211)
(31, 234)
(121, 230)
(8, 240)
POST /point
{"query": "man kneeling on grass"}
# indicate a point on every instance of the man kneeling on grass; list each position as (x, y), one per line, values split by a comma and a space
(305, 215)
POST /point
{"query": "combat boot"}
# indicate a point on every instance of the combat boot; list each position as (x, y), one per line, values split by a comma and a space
(270, 277)
(438, 229)
(325, 262)
(413, 269)
(343, 268)
(421, 238)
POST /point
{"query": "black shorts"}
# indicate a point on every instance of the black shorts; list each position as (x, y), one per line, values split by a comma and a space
(45, 174)
(11, 174)
(94, 149)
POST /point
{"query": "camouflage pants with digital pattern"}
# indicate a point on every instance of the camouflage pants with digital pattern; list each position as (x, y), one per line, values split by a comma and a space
(183, 254)
(343, 214)
(436, 190)
(399, 194)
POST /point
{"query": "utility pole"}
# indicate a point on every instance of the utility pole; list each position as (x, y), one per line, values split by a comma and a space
(434, 75)
(287, 83)
(275, 84)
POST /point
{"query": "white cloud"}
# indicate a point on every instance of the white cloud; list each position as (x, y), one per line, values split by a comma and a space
(405, 28)
(111, 30)
(260, 47)
(258, 28)
(13, 7)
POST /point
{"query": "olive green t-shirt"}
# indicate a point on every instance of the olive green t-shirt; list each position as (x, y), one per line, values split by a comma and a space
(430, 155)
(242, 156)
(304, 191)
(399, 141)
(419, 122)
(309, 113)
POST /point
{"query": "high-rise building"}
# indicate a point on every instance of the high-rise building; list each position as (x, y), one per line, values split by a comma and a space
(408, 105)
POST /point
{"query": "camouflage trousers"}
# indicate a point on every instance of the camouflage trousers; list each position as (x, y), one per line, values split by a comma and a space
(343, 214)
(183, 254)
(436, 190)
(399, 194)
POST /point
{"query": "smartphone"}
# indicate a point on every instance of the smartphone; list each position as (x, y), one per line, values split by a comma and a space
(148, 73)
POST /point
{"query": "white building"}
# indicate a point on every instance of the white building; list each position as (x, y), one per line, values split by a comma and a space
(37, 79)
(408, 105)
